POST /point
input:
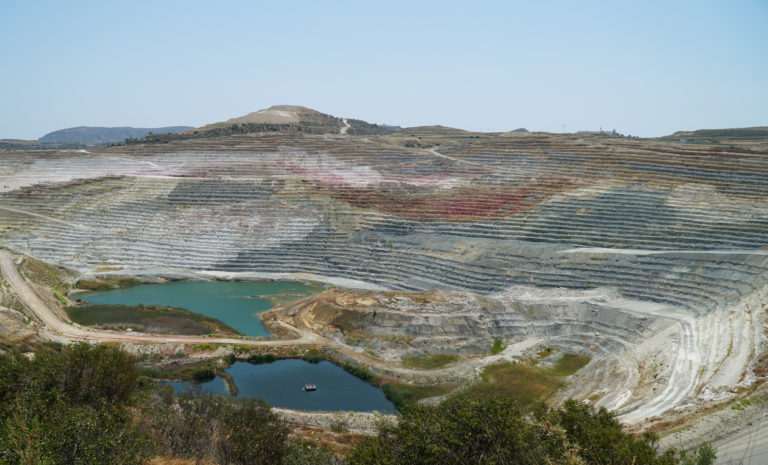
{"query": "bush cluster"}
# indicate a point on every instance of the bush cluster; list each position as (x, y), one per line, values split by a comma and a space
(261, 358)
(87, 405)
(495, 431)
(360, 372)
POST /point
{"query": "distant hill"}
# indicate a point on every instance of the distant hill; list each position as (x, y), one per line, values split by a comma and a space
(100, 135)
(436, 130)
(757, 133)
(21, 144)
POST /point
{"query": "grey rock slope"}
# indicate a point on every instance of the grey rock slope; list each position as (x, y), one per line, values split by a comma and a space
(650, 256)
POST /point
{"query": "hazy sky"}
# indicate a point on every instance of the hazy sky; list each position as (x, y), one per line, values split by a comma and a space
(643, 67)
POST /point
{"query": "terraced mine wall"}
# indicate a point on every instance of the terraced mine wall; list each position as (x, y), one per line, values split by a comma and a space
(651, 256)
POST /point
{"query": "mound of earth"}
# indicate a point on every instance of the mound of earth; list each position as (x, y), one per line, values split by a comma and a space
(281, 115)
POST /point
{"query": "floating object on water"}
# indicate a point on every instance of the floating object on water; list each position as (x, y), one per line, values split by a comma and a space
(310, 387)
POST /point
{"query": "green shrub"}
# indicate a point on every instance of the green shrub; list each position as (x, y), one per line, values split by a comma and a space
(304, 453)
(261, 358)
(704, 455)
(429, 362)
(69, 407)
(405, 395)
(254, 435)
(60, 297)
(204, 374)
(312, 356)
(496, 431)
(361, 372)
(528, 385)
(497, 347)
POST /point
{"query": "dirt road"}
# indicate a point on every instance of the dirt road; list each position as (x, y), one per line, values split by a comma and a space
(55, 324)
(465, 369)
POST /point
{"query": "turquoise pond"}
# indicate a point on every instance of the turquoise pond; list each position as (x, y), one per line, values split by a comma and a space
(233, 302)
(281, 384)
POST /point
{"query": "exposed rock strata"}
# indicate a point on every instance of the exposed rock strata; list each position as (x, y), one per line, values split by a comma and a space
(649, 256)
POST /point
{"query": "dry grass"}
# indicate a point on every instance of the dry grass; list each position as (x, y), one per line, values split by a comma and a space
(338, 443)
(177, 461)
(526, 384)
(429, 362)
(44, 274)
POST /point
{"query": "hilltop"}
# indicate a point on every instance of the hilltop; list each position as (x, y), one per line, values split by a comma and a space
(282, 115)
(277, 118)
(294, 118)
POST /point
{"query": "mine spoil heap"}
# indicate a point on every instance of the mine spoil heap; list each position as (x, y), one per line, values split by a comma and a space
(650, 256)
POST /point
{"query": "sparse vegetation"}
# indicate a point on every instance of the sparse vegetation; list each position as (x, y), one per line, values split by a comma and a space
(527, 385)
(361, 372)
(339, 425)
(364, 128)
(150, 318)
(176, 372)
(235, 129)
(45, 274)
(406, 395)
(60, 297)
(741, 404)
(257, 359)
(106, 283)
(497, 347)
(429, 362)
(203, 375)
(312, 356)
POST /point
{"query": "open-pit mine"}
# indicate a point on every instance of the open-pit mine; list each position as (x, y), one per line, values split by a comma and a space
(649, 256)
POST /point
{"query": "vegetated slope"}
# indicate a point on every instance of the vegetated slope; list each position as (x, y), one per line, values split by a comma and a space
(101, 135)
(649, 256)
(152, 318)
(278, 118)
(21, 144)
(755, 138)
(282, 115)
(88, 404)
(738, 134)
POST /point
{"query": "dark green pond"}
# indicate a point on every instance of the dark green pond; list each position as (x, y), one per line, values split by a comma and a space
(231, 302)
(281, 384)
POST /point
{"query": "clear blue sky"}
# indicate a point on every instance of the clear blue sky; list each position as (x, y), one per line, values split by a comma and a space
(643, 67)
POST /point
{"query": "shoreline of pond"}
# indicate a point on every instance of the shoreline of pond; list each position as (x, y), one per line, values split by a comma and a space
(237, 304)
(281, 382)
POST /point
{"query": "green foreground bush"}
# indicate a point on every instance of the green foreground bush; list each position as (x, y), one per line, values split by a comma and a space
(496, 431)
(87, 405)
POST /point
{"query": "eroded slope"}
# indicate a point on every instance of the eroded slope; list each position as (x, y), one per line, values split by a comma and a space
(649, 256)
